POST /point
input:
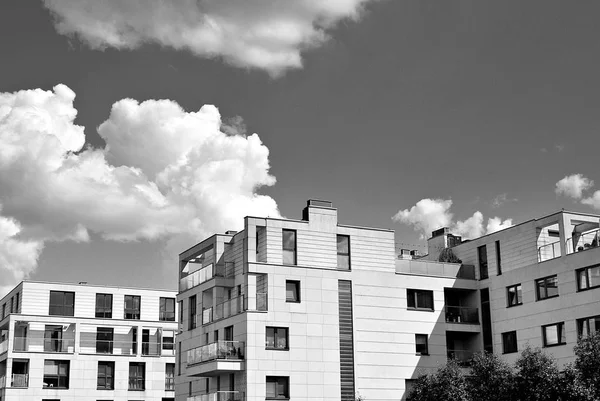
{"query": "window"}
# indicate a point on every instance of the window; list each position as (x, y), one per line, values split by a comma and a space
(289, 247)
(167, 309)
(17, 302)
(180, 312)
(554, 334)
(278, 387)
(546, 287)
(421, 344)
(132, 307)
(62, 303)
(56, 374)
(588, 278)
(228, 331)
(170, 376)
(419, 299)
(168, 340)
(106, 375)
(483, 263)
(343, 252)
(292, 291)
(53, 338)
(104, 340)
(587, 326)
(12, 304)
(514, 295)
(498, 259)
(3, 311)
(104, 306)
(277, 338)
(192, 310)
(137, 373)
(509, 342)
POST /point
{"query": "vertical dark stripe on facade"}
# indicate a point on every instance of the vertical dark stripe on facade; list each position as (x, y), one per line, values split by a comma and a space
(486, 320)
(346, 340)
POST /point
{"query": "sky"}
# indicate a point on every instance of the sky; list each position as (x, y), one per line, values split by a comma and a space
(130, 131)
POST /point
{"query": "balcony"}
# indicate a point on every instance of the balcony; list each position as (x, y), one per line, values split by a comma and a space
(462, 356)
(549, 251)
(260, 303)
(216, 358)
(107, 347)
(20, 380)
(219, 396)
(2, 382)
(583, 242)
(3, 347)
(223, 310)
(433, 268)
(462, 314)
(208, 272)
(151, 348)
(28, 344)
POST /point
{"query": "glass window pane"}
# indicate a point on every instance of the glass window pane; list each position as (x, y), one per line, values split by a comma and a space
(270, 389)
(343, 262)
(551, 334)
(343, 244)
(552, 286)
(289, 257)
(594, 276)
(582, 279)
(289, 239)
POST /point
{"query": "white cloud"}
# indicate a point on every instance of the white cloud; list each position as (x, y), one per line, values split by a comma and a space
(263, 34)
(573, 186)
(501, 199)
(164, 173)
(430, 214)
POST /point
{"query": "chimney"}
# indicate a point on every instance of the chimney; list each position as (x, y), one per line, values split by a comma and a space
(321, 214)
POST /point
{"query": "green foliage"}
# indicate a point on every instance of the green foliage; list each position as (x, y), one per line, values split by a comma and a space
(491, 378)
(447, 383)
(447, 256)
(587, 363)
(537, 375)
(570, 386)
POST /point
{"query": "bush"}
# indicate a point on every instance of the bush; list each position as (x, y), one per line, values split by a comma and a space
(491, 378)
(447, 383)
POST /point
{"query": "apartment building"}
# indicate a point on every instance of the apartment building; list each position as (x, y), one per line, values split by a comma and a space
(312, 309)
(87, 342)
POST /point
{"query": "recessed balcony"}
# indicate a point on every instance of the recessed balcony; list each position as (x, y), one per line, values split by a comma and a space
(50, 345)
(219, 396)
(222, 272)
(216, 358)
(462, 356)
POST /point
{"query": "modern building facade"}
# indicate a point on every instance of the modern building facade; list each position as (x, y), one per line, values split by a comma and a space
(312, 309)
(86, 342)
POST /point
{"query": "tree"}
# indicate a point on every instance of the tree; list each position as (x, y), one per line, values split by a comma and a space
(447, 383)
(571, 387)
(491, 379)
(537, 376)
(587, 363)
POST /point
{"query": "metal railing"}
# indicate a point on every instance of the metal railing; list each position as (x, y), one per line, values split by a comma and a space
(584, 242)
(462, 314)
(261, 302)
(232, 350)
(228, 308)
(3, 346)
(549, 251)
(462, 356)
(225, 269)
(29, 344)
(151, 348)
(92, 346)
(207, 315)
(19, 380)
(2, 381)
(219, 396)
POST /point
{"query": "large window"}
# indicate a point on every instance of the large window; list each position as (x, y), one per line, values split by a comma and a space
(278, 387)
(422, 347)
(104, 340)
(170, 376)
(132, 307)
(289, 247)
(106, 375)
(546, 287)
(292, 291)
(588, 325)
(554, 334)
(137, 375)
(509, 342)
(483, 262)
(343, 252)
(62, 303)
(514, 295)
(277, 338)
(56, 374)
(192, 314)
(104, 306)
(419, 299)
(53, 338)
(167, 309)
(588, 278)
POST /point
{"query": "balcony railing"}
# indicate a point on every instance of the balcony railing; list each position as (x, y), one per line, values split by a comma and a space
(261, 302)
(3, 346)
(219, 396)
(231, 350)
(108, 347)
(462, 356)
(28, 344)
(151, 348)
(549, 251)
(228, 308)
(169, 384)
(207, 315)
(225, 269)
(462, 314)
(20, 380)
(2, 381)
(584, 242)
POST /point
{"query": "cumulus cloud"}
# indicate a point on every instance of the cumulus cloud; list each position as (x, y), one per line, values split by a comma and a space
(501, 199)
(164, 173)
(573, 186)
(430, 214)
(262, 34)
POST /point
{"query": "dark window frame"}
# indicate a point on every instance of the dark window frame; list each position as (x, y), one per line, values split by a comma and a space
(538, 289)
(483, 262)
(294, 249)
(412, 299)
(63, 308)
(509, 342)
(498, 259)
(424, 352)
(164, 314)
(278, 381)
(105, 337)
(519, 300)
(343, 254)
(58, 377)
(169, 377)
(135, 380)
(585, 270)
(133, 312)
(106, 375)
(192, 310)
(104, 311)
(586, 320)
(561, 334)
(298, 298)
(276, 332)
